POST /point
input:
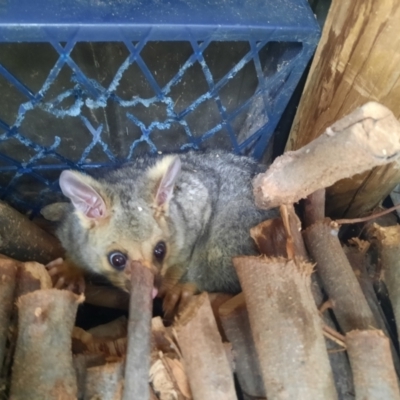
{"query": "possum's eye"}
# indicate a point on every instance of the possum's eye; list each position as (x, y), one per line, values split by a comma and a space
(117, 260)
(160, 250)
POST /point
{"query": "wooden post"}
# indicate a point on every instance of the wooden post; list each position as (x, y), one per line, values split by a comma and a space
(356, 61)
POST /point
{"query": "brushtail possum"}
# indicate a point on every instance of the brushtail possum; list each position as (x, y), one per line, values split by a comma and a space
(185, 215)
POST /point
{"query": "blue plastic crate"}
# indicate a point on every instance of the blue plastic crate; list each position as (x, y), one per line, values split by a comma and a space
(89, 84)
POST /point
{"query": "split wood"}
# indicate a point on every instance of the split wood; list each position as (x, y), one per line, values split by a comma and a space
(24, 240)
(204, 356)
(139, 333)
(43, 367)
(372, 365)
(349, 304)
(167, 373)
(366, 138)
(286, 327)
(236, 324)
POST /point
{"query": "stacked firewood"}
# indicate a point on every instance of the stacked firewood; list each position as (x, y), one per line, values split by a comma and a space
(308, 324)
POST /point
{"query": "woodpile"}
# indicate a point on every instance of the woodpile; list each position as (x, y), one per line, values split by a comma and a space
(309, 323)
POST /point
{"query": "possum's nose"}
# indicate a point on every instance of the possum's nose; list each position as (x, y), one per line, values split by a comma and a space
(128, 275)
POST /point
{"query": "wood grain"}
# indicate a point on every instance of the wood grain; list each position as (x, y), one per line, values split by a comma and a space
(356, 62)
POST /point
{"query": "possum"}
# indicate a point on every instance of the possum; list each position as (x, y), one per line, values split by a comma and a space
(186, 216)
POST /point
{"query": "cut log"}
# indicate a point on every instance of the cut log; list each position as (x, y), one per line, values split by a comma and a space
(357, 60)
(23, 240)
(349, 304)
(388, 239)
(46, 319)
(366, 138)
(204, 356)
(286, 327)
(372, 365)
(236, 324)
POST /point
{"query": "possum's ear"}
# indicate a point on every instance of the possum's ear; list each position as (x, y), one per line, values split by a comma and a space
(165, 173)
(79, 188)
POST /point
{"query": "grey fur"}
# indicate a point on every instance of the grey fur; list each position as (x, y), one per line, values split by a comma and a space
(210, 215)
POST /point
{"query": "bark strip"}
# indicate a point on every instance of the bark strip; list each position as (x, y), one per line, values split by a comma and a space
(372, 365)
(286, 328)
(210, 376)
(236, 324)
(366, 138)
(349, 304)
(43, 367)
(139, 333)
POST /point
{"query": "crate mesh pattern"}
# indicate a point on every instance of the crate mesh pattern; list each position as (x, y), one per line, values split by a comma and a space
(69, 101)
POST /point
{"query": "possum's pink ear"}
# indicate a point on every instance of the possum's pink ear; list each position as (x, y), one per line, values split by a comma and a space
(169, 168)
(83, 196)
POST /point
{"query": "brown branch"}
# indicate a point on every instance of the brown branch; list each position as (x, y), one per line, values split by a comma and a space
(372, 365)
(106, 296)
(366, 138)
(8, 272)
(236, 324)
(139, 333)
(204, 356)
(349, 304)
(24, 240)
(286, 328)
(43, 366)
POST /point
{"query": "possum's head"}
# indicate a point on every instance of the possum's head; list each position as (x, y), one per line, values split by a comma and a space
(113, 224)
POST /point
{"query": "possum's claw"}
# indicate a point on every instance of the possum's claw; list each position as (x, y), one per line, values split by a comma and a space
(66, 275)
(177, 298)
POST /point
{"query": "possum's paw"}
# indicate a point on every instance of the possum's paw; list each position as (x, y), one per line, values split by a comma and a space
(66, 275)
(177, 297)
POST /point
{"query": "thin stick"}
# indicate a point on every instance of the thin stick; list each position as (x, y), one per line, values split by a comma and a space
(235, 320)
(367, 218)
(139, 333)
(349, 304)
(334, 336)
(372, 365)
